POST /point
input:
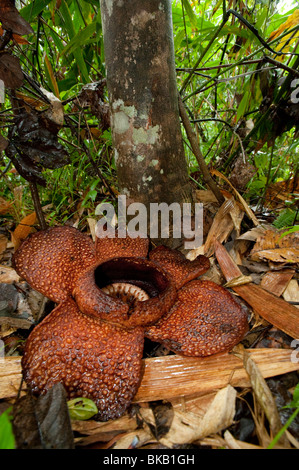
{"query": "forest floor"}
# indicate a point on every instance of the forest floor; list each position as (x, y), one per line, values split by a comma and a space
(236, 400)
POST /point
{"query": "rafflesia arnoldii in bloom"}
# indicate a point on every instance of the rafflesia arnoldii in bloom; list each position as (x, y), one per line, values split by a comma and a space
(110, 296)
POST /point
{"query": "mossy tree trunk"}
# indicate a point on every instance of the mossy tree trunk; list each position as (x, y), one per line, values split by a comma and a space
(141, 80)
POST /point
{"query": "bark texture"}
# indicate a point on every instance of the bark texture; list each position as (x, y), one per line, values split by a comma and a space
(141, 79)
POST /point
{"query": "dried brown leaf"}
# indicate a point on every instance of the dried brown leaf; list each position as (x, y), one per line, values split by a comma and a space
(228, 218)
(3, 243)
(233, 443)
(291, 292)
(12, 20)
(277, 281)
(188, 427)
(56, 111)
(281, 191)
(264, 396)
(19, 39)
(238, 195)
(95, 431)
(92, 227)
(25, 227)
(205, 195)
(5, 206)
(271, 246)
(274, 309)
(134, 439)
(8, 275)
(10, 71)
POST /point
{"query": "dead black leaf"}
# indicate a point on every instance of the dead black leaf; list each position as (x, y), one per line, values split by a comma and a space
(14, 310)
(24, 423)
(163, 414)
(38, 143)
(33, 146)
(10, 71)
(43, 423)
(12, 20)
(53, 419)
(24, 166)
(9, 298)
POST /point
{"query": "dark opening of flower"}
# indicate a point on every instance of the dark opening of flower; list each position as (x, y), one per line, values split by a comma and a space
(138, 272)
(109, 297)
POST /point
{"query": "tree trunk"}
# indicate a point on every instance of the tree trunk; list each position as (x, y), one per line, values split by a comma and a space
(143, 97)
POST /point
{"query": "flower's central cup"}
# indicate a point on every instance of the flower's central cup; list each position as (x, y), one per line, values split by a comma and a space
(131, 282)
(129, 292)
(138, 272)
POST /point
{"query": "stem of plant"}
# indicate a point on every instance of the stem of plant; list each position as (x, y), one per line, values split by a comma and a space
(92, 162)
(37, 206)
(199, 157)
(268, 177)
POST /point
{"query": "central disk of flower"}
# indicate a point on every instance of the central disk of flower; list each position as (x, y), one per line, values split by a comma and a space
(128, 293)
(121, 277)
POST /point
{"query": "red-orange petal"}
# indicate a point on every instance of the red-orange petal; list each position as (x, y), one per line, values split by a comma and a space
(204, 320)
(52, 260)
(89, 357)
(92, 301)
(177, 266)
(108, 248)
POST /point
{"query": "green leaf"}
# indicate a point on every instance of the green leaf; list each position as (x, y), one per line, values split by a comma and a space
(295, 401)
(294, 404)
(80, 38)
(33, 9)
(96, 3)
(242, 108)
(82, 408)
(294, 229)
(179, 38)
(57, 41)
(285, 219)
(235, 31)
(7, 439)
(107, 137)
(190, 13)
(72, 33)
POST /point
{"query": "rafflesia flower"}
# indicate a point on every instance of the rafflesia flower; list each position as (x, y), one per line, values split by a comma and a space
(110, 296)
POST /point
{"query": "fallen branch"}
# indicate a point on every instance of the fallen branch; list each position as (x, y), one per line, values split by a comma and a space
(274, 309)
(175, 376)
